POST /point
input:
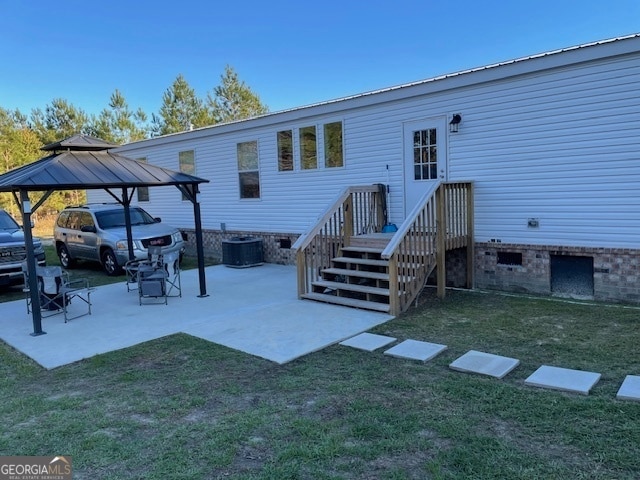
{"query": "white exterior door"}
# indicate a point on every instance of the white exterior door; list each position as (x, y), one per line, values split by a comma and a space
(425, 158)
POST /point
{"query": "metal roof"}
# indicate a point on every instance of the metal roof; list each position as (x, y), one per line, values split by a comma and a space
(405, 87)
(79, 142)
(86, 164)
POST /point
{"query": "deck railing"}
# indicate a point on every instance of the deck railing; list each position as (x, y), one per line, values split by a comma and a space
(357, 210)
(442, 220)
(420, 242)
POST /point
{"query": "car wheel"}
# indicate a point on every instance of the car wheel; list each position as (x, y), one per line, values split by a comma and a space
(110, 263)
(65, 259)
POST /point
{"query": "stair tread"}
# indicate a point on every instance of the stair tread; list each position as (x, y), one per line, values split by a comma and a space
(356, 273)
(362, 261)
(353, 287)
(363, 249)
(347, 302)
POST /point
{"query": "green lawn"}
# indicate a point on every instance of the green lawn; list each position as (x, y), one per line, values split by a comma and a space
(181, 407)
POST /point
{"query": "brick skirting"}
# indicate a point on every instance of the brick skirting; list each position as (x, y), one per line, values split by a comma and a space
(276, 246)
(615, 278)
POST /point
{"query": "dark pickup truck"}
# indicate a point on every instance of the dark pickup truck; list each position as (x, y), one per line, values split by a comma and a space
(13, 251)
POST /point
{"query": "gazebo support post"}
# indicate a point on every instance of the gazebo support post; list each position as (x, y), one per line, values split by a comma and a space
(126, 202)
(25, 209)
(199, 242)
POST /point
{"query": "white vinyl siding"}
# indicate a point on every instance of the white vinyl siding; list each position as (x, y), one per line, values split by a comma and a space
(558, 145)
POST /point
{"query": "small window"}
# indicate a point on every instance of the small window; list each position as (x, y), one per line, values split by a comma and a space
(509, 258)
(285, 151)
(143, 192)
(187, 163)
(248, 170)
(333, 156)
(308, 148)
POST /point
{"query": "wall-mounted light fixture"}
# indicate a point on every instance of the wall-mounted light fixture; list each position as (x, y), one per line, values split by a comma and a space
(455, 121)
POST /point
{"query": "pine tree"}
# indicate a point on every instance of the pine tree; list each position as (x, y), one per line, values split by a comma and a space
(118, 124)
(59, 120)
(233, 99)
(181, 110)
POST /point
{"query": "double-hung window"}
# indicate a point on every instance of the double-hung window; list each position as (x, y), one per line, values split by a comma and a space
(248, 169)
(143, 192)
(187, 163)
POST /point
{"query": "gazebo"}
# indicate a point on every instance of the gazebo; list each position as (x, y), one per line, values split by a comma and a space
(81, 162)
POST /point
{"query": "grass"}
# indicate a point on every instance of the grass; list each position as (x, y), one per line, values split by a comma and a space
(181, 407)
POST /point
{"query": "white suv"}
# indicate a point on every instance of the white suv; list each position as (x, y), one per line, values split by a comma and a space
(97, 232)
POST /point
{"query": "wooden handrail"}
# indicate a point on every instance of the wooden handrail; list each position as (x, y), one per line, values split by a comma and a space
(355, 210)
(441, 220)
(305, 239)
(393, 244)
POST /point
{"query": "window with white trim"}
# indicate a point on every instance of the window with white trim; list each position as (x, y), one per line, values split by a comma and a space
(333, 153)
(285, 150)
(142, 192)
(308, 148)
(248, 169)
(187, 163)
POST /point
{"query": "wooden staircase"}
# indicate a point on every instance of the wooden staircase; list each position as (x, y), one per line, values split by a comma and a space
(358, 278)
(340, 261)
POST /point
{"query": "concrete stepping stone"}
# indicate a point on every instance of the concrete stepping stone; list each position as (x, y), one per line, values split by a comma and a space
(575, 381)
(484, 363)
(368, 341)
(630, 388)
(416, 350)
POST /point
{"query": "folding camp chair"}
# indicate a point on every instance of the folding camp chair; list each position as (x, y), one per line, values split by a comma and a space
(152, 282)
(171, 262)
(56, 291)
(154, 258)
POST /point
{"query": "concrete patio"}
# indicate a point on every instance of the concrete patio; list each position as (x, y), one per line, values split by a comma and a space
(254, 310)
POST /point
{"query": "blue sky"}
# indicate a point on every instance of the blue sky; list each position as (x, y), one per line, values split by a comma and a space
(291, 53)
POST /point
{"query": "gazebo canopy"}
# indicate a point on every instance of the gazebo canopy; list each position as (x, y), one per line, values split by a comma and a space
(81, 162)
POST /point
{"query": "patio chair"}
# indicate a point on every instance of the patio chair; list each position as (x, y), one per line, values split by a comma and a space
(152, 283)
(56, 292)
(171, 263)
(154, 257)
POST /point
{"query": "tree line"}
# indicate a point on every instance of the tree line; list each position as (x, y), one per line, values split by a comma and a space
(22, 135)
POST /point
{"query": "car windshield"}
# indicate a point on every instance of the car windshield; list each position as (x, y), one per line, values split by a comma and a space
(115, 218)
(7, 223)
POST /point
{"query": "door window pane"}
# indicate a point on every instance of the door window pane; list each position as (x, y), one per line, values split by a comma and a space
(425, 154)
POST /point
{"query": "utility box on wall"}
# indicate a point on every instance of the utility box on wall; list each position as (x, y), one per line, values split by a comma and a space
(241, 252)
